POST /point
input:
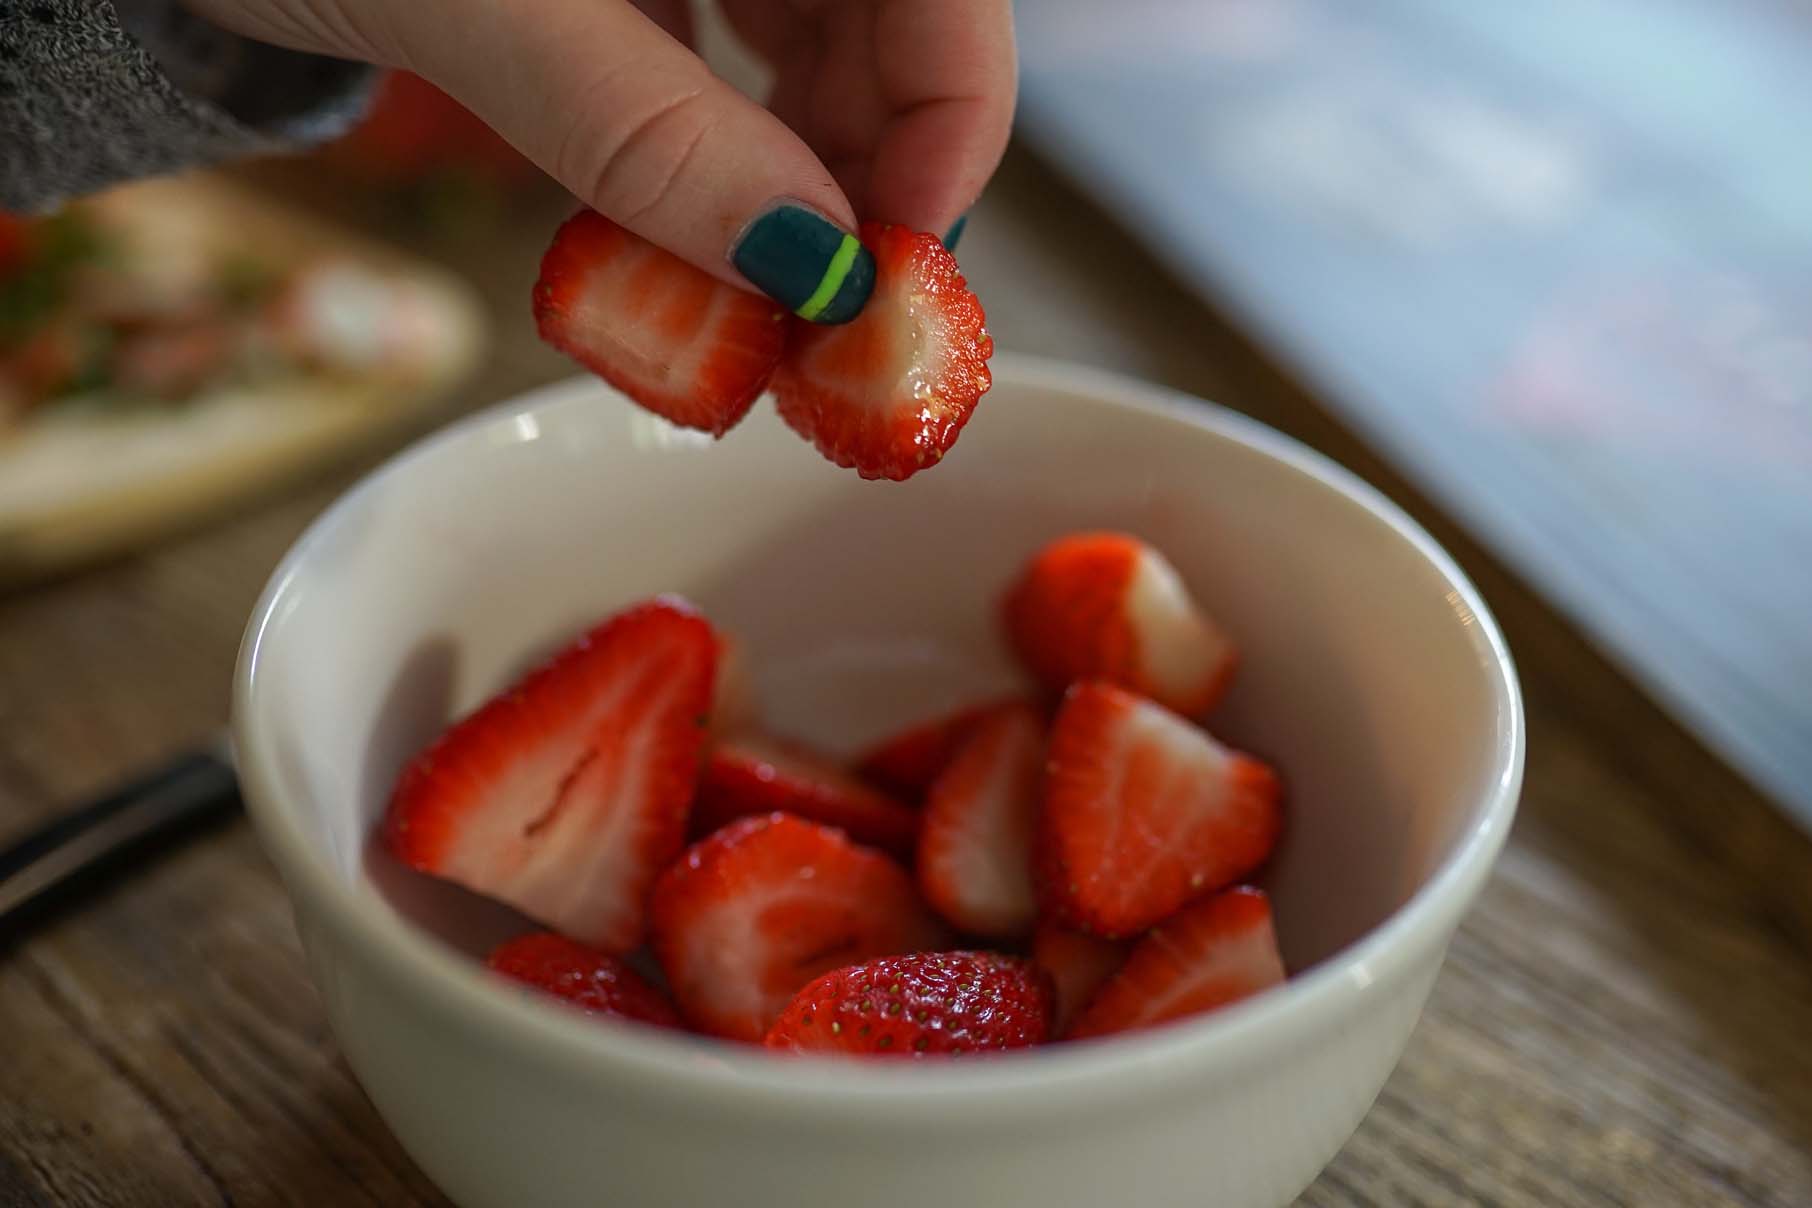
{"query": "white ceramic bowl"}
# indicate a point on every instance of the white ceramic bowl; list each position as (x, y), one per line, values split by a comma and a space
(1372, 675)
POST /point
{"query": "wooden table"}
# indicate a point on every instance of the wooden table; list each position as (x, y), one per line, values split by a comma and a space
(1623, 1020)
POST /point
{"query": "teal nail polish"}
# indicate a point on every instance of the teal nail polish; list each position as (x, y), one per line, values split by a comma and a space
(806, 263)
(955, 232)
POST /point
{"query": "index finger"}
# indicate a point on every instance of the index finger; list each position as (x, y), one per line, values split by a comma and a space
(948, 73)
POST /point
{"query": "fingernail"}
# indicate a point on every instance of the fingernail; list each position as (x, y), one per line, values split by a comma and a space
(806, 263)
(955, 232)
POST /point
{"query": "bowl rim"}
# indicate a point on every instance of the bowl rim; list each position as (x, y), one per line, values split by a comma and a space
(707, 1072)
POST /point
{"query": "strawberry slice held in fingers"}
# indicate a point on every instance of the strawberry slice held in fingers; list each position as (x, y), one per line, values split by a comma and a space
(748, 775)
(566, 795)
(906, 763)
(672, 337)
(1109, 606)
(1209, 954)
(888, 392)
(751, 914)
(1077, 964)
(585, 977)
(1143, 811)
(975, 843)
(926, 1005)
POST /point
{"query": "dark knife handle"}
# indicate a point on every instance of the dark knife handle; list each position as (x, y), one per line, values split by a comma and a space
(189, 789)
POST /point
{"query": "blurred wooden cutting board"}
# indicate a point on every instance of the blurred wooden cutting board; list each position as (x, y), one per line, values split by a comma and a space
(88, 479)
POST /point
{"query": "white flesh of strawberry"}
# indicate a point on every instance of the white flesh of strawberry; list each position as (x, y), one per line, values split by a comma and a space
(727, 952)
(1196, 766)
(986, 864)
(1247, 959)
(1182, 652)
(557, 837)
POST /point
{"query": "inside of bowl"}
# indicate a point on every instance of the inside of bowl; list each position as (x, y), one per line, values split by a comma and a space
(863, 606)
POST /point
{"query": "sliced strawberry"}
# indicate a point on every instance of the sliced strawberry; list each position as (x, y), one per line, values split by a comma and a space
(930, 1004)
(975, 848)
(1077, 964)
(1208, 954)
(906, 763)
(1143, 811)
(766, 904)
(585, 977)
(888, 392)
(670, 336)
(746, 776)
(1108, 606)
(566, 795)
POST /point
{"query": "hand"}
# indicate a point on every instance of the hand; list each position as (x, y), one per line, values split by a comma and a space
(889, 110)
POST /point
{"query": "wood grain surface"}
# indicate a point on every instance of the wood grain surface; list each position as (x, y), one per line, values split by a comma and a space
(1622, 1021)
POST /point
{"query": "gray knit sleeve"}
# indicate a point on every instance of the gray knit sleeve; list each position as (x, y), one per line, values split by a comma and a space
(92, 93)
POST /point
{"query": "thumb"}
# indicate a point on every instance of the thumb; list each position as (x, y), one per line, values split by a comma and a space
(640, 129)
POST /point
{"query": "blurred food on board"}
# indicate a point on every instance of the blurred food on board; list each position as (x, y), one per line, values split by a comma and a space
(168, 346)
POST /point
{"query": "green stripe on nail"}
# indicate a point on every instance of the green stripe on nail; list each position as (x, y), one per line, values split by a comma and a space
(832, 281)
(807, 263)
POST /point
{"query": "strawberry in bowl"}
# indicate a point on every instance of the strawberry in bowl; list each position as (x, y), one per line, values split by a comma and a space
(816, 914)
(1125, 1034)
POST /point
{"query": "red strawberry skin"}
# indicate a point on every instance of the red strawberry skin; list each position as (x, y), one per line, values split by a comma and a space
(888, 393)
(669, 335)
(1144, 811)
(566, 795)
(747, 776)
(929, 1004)
(1211, 953)
(584, 977)
(906, 763)
(1077, 965)
(975, 848)
(751, 914)
(1109, 606)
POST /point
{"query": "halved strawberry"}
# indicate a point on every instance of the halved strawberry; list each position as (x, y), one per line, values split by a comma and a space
(888, 392)
(906, 763)
(1209, 954)
(763, 906)
(1077, 964)
(975, 847)
(1108, 606)
(584, 977)
(747, 775)
(1143, 811)
(566, 795)
(926, 1005)
(670, 336)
